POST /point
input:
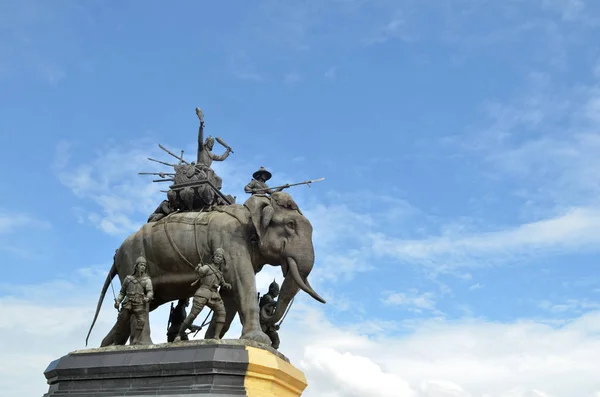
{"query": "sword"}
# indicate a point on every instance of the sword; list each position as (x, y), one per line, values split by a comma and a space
(113, 291)
(222, 142)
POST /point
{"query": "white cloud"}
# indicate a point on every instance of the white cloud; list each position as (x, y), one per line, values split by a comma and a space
(429, 358)
(546, 143)
(9, 221)
(479, 358)
(575, 230)
(353, 376)
(440, 388)
(412, 299)
(122, 199)
(111, 181)
(570, 305)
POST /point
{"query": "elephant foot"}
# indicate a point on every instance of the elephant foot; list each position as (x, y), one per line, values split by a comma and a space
(257, 336)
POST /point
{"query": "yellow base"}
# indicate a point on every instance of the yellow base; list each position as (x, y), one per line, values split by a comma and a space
(270, 376)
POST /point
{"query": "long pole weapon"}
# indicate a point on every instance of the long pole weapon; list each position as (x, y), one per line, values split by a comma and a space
(203, 324)
(161, 162)
(172, 154)
(286, 312)
(170, 316)
(290, 185)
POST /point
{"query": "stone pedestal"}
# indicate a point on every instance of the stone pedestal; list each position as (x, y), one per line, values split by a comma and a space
(224, 368)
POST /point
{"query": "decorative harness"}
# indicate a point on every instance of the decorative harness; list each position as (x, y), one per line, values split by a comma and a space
(253, 238)
(253, 235)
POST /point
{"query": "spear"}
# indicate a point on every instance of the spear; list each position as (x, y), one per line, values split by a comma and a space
(162, 162)
(290, 185)
(172, 154)
(161, 174)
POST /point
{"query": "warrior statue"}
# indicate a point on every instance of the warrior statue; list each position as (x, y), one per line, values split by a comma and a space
(258, 183)
(206, 156)
(135, 294)
(267, 306)
(161, 211)
(189, 191)
(211, 278)
(176, 317)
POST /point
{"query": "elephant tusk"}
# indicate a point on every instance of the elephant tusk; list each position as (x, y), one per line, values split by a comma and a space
(293, 268)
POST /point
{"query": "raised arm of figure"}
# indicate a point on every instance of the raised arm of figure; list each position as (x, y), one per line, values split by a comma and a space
(221, 157)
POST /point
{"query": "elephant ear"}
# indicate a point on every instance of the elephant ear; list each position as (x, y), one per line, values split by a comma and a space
(267, 216)
(261, 213)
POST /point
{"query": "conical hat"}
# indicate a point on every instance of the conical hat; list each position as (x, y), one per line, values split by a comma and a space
(263, 171)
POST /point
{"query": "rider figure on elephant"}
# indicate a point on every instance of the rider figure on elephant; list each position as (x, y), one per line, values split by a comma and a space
(205, 156)
(161, 211)
(258, 186)
(211, 278)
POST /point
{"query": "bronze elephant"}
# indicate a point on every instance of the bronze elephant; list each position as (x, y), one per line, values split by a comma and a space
(264, 230)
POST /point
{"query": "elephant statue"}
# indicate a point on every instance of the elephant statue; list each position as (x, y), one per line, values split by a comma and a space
(264, 230)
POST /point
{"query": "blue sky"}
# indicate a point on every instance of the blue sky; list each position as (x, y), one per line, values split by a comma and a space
(457, 229)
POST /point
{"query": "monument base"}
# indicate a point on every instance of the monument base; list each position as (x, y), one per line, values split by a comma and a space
(223, 368)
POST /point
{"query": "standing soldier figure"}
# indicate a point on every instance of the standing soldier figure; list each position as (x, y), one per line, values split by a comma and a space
(267, 308)
(211, 277)
(176, 317)
(258, 183)
(137, 290)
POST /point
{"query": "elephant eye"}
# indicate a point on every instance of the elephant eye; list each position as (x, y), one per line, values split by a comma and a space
(291, 225)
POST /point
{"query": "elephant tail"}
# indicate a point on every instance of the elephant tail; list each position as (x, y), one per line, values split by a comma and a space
(111, 274)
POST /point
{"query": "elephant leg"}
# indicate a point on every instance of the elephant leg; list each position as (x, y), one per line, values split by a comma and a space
(230, 312)
(248, 305)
